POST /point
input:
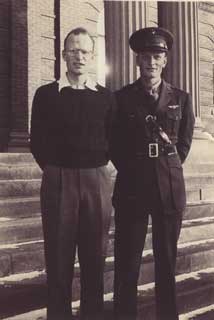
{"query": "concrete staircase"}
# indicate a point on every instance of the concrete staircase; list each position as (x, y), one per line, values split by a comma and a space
(22, 275)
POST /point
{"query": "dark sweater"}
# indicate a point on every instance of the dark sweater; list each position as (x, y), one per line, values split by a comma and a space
(71, 128)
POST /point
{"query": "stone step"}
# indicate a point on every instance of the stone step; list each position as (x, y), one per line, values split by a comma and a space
(19, 188)
(200, 188)
(200, 229)
(199, 209)
(25, 292)
(21, 244)
(29, 256)
(207, 193)
(21, 257)
(199, 179)
(13, 227)
(23, 171)
(16, 229)
(205, 313)
(19, 207)
(31, 187)
(200, 193)
(194, 290)
(17, 225)
(192, 256)
(189, 167)
(197, 229)
(193, 194)
(23, 166)
(204, 167)
(13, 231)
(15, 158)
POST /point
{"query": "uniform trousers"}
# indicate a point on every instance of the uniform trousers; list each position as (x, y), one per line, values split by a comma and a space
(131, 223)
(76, 210)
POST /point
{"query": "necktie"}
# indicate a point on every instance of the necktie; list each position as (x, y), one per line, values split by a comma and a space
(153, 94)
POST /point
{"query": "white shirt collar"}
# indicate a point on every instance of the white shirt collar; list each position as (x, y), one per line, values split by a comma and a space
(90, 84)
(153, 89)
(157, 85)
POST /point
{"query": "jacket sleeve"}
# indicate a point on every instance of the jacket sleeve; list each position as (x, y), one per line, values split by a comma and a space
(186, 128)
(38, 129)
(116, 136)
(110, 123)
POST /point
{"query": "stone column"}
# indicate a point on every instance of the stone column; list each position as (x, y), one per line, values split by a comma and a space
(122, 18)
(19, 77)
(5, 85)
(181, 18)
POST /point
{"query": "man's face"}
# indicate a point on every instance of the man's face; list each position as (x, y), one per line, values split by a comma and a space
(151, 64)
(78, 53)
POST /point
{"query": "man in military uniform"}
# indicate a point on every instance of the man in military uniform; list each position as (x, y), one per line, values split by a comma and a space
(151, 140)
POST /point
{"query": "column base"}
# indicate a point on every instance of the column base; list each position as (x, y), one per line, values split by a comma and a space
(199, 166)
(200, 133)
(202, 149)
(19, 142)
(4, 137)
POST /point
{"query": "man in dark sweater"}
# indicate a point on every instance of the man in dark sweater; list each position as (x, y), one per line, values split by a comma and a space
(151, 141)
(70, 132)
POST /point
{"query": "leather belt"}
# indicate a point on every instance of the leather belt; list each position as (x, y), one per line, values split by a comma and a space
(154, 150)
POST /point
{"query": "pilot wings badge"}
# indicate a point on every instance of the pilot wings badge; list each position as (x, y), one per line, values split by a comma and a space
(174, 106)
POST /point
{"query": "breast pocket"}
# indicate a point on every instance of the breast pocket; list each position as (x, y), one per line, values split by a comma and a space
(173, 117)
(174, 161)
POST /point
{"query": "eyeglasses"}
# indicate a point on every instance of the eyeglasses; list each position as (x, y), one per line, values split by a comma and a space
(75, 52)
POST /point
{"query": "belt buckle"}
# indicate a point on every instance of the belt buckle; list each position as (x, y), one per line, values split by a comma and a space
(153, 150)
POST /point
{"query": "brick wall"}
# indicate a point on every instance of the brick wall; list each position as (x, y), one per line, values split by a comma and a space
(41, 45)
(80, 13)
(33, 59)
(48, 23)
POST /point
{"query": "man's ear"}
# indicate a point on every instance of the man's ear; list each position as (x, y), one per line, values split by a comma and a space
(165, 61)
(64, 55)
(137, 60)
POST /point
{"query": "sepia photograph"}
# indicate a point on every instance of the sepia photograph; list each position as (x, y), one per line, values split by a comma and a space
(106, 160)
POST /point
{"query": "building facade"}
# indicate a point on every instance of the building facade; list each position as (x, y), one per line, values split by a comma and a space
(31, 41)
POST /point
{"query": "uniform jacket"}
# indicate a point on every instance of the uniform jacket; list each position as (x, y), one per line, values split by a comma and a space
(174, 114)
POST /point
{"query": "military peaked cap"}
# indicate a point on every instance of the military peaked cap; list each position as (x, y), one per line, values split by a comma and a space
(158, 39)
